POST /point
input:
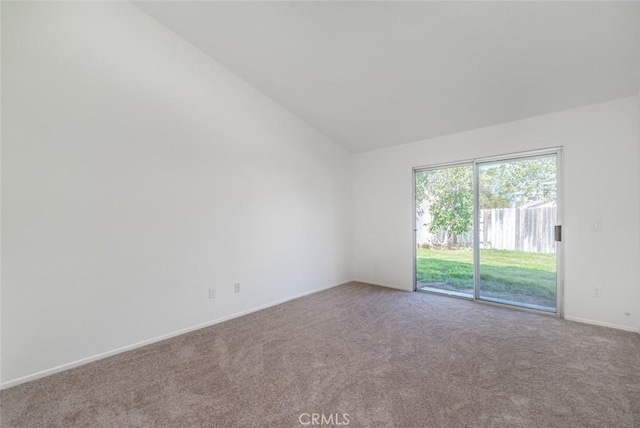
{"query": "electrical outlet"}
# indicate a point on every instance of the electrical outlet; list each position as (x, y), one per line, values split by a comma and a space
(212, 293)
(596, 226)
(597, 292)
(236, 287)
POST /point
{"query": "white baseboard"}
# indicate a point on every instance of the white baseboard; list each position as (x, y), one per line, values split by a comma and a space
(83, 361)
(603, 324)
(364, 281)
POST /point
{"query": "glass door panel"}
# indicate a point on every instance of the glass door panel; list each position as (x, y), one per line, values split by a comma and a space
(444, 230)
(517, 201)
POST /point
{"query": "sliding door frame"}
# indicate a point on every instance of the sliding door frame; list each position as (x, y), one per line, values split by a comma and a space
(557, 151)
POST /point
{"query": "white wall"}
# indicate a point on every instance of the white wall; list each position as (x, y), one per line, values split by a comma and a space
(136, 173)
(601, 169)
(0, 204)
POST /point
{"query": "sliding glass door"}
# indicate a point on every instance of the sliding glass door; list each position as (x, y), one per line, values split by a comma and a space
(488, 230)
(444, 230)
(517, 217)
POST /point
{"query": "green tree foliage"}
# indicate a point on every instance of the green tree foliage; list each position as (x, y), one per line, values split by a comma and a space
(514, 184)
(448, 194)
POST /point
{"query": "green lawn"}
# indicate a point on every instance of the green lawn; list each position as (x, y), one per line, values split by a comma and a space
(528, 277)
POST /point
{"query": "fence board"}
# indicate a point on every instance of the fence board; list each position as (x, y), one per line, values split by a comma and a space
(520, 229)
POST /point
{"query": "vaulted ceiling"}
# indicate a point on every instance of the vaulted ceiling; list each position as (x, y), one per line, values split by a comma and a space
(376, 74)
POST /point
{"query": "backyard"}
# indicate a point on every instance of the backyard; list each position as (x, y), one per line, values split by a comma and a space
(514, 276)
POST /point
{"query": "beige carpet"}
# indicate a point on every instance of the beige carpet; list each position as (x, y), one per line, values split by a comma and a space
(386, 358)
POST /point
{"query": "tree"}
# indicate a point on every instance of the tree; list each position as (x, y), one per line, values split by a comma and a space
(514, 184)
(447, 194)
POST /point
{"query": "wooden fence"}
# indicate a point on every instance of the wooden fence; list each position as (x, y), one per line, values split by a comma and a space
(520, 229)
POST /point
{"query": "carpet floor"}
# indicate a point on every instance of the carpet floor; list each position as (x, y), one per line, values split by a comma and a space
(362, 356)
